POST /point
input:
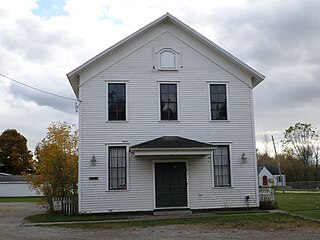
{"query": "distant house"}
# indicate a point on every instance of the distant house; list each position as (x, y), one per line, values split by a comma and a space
(165, 121)
(15, 186)
(269, 176)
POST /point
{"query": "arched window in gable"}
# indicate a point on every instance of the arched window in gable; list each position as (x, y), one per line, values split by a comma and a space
(167, 59)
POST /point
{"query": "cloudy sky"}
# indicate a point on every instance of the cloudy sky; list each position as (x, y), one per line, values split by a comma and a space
(42, 40)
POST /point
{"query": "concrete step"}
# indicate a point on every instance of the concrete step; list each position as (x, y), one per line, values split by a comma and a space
(175, 212)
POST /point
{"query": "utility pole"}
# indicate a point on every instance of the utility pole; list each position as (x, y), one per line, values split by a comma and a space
(279, 167)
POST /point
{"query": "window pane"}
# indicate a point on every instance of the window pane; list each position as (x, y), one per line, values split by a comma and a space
(217, 160)
(225, 170)
(121, 162)
(113, 183)
(225, 151)
(164, 88)
(168, 101)
(172, 97)
(172, 107)
(214, 88)
(173, 88)
(221, 163)
(113, 162)
(221, 97)
(218, 100)
(117, 101)
(165, 97)
(112, 88)
(221, 88)
(117, 167)
(214, 98)
(121, 173)
(217, 151)
(113, 173)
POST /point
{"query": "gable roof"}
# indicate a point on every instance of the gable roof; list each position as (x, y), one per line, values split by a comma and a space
(171, 142)
(256, 76)
(271, 168)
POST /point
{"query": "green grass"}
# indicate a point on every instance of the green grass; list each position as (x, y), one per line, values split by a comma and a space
(304, 204)
(41, 218)
(262, 222)
(19, 199)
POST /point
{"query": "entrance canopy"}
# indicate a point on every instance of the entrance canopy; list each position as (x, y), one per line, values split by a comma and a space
(172, 146)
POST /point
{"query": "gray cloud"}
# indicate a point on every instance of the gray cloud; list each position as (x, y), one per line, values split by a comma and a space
(42, 99)
(281, 40)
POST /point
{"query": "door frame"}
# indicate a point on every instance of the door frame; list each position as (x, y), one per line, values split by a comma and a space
(154, 182)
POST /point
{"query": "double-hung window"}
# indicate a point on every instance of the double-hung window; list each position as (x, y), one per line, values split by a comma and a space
(168, 101)
(117, 167)
(221, 166)
(218, 102)
(116, 101)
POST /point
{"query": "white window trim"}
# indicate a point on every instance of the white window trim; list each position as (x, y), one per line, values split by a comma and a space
(227, 96)
(175, 53)
(125, 81)
(230, 162)
(127, 165)
(178, 101)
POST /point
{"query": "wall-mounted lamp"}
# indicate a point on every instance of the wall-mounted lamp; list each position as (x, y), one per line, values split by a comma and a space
(244, 158)
(93, 160)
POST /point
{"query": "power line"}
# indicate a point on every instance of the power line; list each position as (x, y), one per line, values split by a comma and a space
(38, 89)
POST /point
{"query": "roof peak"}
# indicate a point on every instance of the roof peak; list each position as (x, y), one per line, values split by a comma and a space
(255, 75)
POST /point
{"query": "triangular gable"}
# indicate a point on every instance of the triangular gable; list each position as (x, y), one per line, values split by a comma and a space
(255, 76)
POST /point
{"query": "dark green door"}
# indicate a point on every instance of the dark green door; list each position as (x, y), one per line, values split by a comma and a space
(171, 184)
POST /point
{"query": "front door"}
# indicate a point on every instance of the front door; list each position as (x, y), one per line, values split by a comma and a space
(171, 184)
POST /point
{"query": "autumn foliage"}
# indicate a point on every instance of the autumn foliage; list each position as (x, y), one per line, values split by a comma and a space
(14, 154)
(56, 173)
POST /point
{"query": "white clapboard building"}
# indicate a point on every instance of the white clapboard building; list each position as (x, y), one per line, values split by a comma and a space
(166, 122)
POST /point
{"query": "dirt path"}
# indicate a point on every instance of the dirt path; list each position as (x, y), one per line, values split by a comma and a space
(12, 215)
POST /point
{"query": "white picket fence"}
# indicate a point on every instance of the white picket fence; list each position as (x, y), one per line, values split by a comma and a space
(66, 205)
(266, 194)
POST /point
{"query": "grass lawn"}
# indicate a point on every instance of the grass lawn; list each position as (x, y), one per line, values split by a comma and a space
(19, 199)
(304, 204)
(40, 218)
(264, 222)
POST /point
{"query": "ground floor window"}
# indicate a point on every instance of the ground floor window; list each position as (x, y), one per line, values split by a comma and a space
(117, 167)
(221, 166)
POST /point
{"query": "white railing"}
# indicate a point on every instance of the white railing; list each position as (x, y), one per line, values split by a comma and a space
(266, 194)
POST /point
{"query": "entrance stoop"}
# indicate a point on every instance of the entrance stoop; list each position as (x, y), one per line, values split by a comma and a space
(184, 212)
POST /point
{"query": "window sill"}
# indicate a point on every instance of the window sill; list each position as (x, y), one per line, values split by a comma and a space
(117, 190)
(169, 121)
(117, 121)
(222, 187)
(219, 121)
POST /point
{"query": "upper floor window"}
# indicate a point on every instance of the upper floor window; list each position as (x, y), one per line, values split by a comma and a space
(218, 101)
(116, 101)
(221, 166)
(168, 101)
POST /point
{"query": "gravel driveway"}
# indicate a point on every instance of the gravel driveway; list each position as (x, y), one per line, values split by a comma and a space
(12, 215)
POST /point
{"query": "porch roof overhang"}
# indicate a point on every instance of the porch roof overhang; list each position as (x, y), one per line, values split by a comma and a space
(172, 146)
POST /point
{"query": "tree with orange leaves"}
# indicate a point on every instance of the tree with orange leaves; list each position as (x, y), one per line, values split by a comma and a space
(56, 171)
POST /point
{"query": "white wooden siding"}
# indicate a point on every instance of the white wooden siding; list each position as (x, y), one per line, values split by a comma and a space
(134, 62)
